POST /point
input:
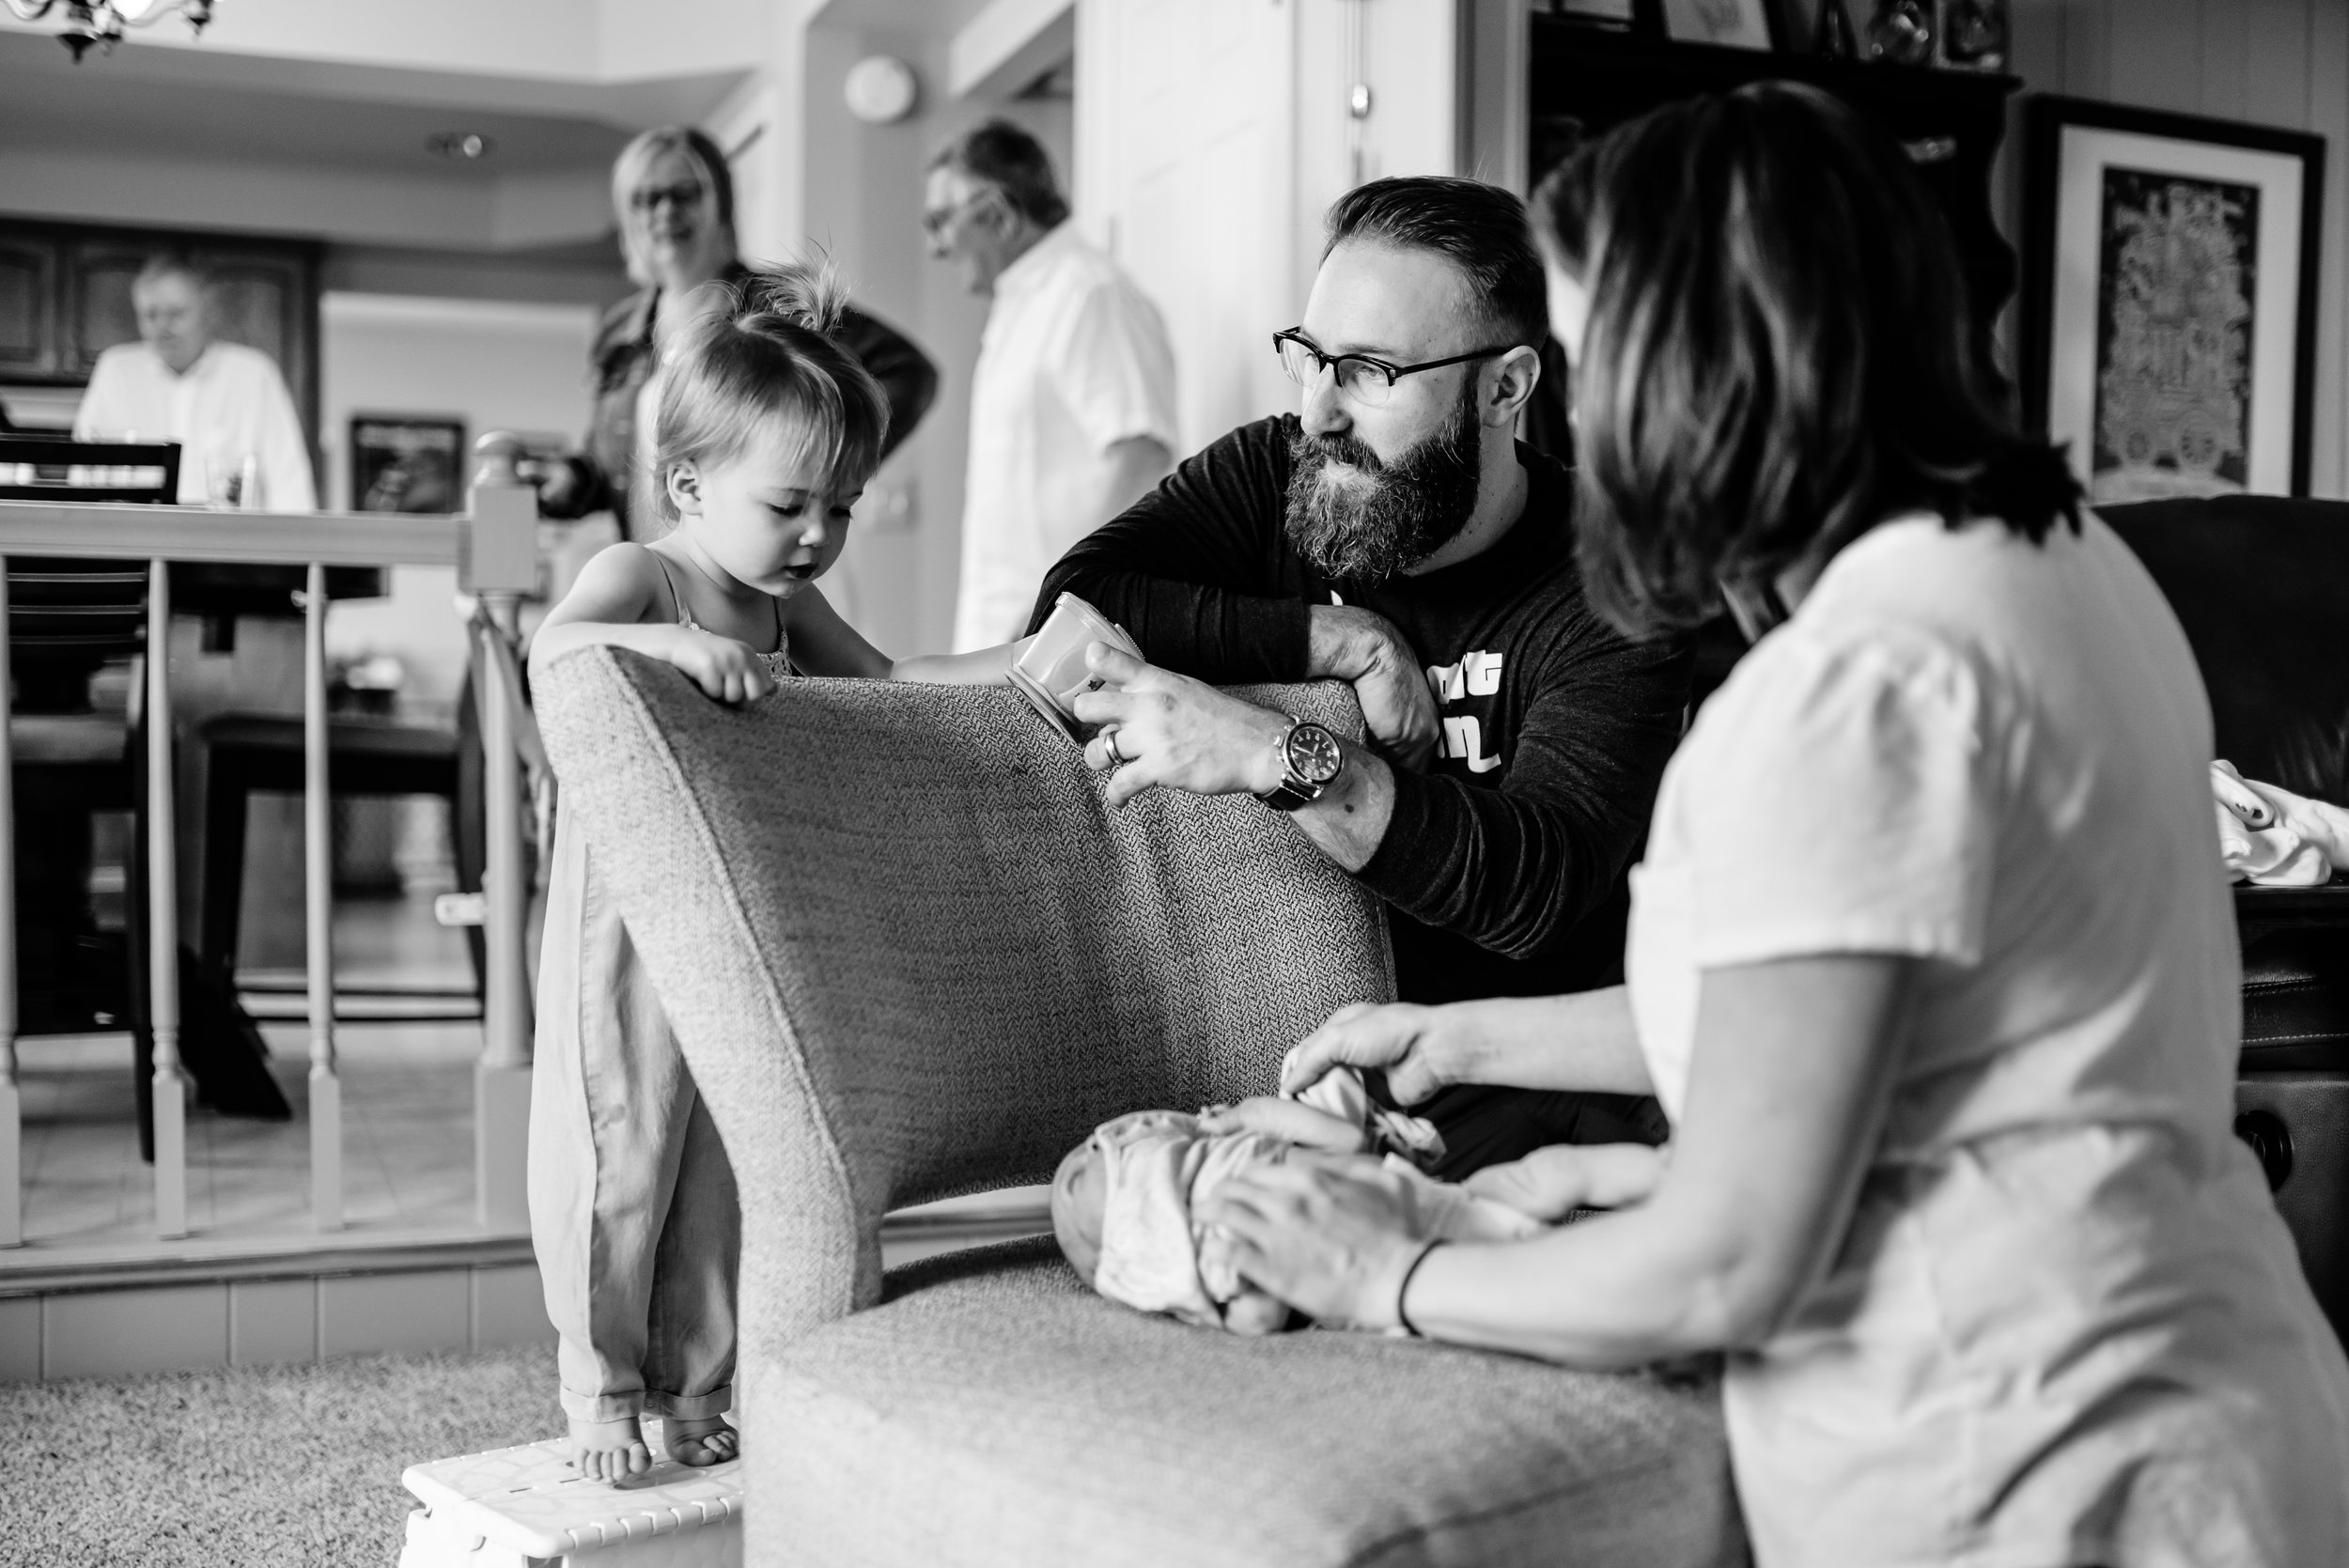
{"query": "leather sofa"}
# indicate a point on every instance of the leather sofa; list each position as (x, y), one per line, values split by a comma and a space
(910, 952)
(2261, 584)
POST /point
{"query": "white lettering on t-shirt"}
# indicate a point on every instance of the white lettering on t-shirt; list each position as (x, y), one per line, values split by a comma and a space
(1477, 675)
(1463, 741)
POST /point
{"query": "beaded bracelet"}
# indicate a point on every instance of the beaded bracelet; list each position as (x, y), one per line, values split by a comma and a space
(1405, 1289)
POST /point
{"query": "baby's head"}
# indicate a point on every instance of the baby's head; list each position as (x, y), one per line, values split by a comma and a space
(767, 430)
(1081, 1192)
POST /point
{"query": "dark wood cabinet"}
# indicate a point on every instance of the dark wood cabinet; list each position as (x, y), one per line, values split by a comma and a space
(64, 298)
(28, 327)
(1586, 81)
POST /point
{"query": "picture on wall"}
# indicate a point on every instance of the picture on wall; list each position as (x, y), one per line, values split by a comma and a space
(2170, 298)
(407, 463)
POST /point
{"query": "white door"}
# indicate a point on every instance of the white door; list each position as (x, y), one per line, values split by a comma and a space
(1185, 172)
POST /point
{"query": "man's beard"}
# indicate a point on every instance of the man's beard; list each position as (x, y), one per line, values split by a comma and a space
(1386, 515)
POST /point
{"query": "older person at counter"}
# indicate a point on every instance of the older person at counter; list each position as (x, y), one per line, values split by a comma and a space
(225, 403)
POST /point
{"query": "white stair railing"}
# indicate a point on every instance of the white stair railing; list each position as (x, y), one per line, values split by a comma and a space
(493, 547)
(170, 1098)
(318, 879)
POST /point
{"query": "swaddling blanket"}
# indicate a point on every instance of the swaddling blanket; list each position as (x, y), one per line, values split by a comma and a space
(1159, 1166)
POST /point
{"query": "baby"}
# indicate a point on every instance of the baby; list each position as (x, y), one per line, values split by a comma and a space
(1122, 1200)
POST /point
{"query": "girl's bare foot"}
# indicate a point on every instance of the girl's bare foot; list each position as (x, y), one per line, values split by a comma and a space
(700, 1443)
(609, 1451)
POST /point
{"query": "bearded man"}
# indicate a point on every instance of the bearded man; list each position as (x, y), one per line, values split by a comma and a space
(1397, 537)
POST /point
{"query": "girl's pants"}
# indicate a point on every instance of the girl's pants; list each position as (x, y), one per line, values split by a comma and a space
(632, 1209)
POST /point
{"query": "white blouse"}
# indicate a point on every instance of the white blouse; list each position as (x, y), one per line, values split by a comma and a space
(2066, 1323)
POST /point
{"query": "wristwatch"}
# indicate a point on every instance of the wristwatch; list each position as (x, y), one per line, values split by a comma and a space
(1311, 761)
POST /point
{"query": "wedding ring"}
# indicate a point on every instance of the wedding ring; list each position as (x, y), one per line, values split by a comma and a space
(1108, 745)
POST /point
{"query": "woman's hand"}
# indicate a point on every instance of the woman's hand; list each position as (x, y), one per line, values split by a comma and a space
(730, 671)
(1421, 1048)
(1292, 1121)
(1331, 1237)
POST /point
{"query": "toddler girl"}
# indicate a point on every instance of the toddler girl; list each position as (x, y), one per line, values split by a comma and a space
(766, 432)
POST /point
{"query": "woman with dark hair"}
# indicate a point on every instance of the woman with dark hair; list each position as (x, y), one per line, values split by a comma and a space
(1931, 962)
(673, 197)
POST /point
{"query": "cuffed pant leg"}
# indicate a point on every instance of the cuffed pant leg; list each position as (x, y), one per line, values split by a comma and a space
(603, 1146)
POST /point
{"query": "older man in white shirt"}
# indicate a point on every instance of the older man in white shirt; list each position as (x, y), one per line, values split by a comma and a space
(1072, 404)
(225, 403)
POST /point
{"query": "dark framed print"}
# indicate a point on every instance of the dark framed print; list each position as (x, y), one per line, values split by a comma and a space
(407, 463)
(2169, 299)
(1732, 23)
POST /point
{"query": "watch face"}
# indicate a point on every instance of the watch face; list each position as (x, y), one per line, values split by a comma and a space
(1313, 755)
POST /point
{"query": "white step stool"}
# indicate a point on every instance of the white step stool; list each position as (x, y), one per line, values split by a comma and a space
(525, 1507)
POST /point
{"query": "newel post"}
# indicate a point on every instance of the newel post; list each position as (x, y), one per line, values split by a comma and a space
(501, 563)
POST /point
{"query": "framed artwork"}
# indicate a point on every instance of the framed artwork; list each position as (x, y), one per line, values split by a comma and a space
(407, 463)
(1733, 24)
(2169, 299)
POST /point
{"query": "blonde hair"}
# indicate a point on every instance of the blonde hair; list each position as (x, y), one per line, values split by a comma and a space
(711, 173)
(767, 361)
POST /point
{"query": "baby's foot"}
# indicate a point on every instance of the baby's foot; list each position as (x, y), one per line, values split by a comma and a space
(609, 1451)
(706, 1441)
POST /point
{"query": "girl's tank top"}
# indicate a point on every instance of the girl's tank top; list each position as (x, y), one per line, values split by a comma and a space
(777, 662)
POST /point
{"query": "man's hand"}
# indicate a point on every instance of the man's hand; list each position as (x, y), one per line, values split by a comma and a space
(551, 477)
(1420, 1048)
(1363, 648)
(1161, 729)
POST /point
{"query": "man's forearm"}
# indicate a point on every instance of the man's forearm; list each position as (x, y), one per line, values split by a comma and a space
(1349, 818)
(1218, 634)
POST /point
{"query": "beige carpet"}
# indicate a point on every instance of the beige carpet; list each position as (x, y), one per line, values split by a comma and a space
(257, 1465)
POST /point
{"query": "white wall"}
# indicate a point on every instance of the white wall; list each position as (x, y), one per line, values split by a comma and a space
(308, 200)
(858, 200)
(1189, 148)
(494, 365)
(1213, 134)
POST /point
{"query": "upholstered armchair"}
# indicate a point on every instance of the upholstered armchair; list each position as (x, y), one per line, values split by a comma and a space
(910, 952)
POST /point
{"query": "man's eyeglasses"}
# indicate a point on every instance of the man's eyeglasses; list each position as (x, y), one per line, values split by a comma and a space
(936, 221)
(1366, 381)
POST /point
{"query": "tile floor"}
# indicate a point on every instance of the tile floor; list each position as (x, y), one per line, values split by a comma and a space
(407, 1110)
(407, 1139)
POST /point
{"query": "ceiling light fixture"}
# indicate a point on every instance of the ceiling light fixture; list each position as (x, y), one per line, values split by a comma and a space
(468, 145)
(101, 22)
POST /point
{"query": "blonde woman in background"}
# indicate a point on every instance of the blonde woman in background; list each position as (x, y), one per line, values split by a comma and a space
(674, 197)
